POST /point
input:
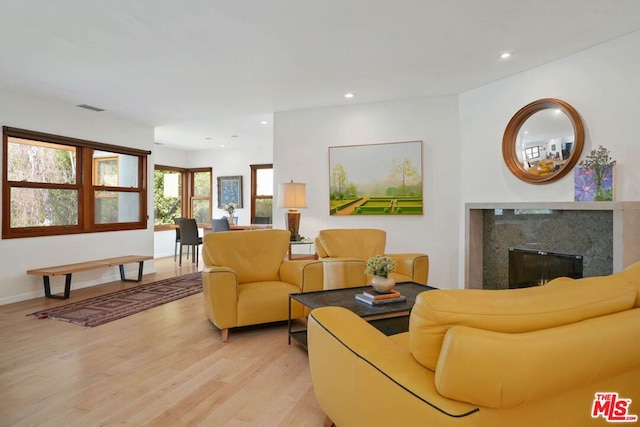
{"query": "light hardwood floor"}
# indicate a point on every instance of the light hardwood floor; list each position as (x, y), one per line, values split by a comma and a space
(165, 366)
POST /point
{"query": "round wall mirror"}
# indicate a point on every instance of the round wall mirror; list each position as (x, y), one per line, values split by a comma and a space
(543, 141)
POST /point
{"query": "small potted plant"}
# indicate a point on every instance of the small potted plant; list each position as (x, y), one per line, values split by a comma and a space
(380, 266)
(230, 208)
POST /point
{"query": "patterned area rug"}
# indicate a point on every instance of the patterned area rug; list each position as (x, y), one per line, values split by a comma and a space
(103, 309)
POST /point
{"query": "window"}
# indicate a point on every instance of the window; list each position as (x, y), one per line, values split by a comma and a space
(200, 197)
(532, 152)
(180, 192)
(57, 185)
(262, 191)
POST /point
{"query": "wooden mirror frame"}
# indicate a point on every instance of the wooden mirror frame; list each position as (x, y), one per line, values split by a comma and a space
(516, 122)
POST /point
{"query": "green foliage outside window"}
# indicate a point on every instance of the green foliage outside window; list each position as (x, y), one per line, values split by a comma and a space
(166, 207)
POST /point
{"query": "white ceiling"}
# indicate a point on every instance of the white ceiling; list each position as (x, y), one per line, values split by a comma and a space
(198, 69)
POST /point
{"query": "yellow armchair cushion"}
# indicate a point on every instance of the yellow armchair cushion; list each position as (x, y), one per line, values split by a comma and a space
(510, 311)
(632, 275)
(503, 370)
(247, 281)
(255, 256)
(345, 252)
(357, 243)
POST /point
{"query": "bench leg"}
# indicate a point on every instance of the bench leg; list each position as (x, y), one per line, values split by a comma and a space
(67, 287)
(140, 268)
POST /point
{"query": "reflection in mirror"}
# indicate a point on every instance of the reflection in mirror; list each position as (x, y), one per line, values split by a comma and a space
(543, 141)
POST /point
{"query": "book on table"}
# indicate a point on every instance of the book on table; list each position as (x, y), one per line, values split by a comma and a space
(381, 295)
(371, 301)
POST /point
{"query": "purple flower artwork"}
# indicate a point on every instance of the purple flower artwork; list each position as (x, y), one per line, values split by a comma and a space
(586, 188)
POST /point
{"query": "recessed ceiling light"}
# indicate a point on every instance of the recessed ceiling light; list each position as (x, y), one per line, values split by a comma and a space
(221, 145)
(348, 95)
(264, 122)
(505, 55)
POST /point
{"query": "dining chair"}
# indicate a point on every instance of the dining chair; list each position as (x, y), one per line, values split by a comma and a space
(221, 224)
(189, 237)
(176, 221)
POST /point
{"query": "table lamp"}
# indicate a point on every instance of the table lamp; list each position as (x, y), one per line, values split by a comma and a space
(292, 195)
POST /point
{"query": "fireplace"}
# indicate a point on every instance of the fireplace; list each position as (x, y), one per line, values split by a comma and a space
(528, 267)
(606, 234)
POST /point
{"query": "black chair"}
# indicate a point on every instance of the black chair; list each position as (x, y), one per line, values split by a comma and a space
(221, 224)
(262, 220)
(175, 249)
(189, 237)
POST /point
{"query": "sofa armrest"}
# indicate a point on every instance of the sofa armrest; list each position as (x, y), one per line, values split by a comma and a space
(353, 365)
(307, 274)
(503, 370)
(414, 265)
(220, 288)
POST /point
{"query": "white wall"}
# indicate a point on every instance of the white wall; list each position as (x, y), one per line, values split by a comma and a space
(601, 83)
(462, 150)
(18, 255)
(301, 142)
(224, 162)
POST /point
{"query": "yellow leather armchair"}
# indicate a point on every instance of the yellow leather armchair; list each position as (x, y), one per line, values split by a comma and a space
(521, 357)
(246, 280)
(345, 252)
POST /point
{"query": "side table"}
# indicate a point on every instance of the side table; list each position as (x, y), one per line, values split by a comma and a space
(308, 242)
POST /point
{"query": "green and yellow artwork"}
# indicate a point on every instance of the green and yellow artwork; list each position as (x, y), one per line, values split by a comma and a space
(376, 179)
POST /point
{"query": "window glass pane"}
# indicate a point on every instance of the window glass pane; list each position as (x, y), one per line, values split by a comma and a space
(202, 184)
(112, 207)
(113, 169)
(42, 207)
(34, 161)
(264, 207)
(167, 196)
(264, 185)
(200, 209)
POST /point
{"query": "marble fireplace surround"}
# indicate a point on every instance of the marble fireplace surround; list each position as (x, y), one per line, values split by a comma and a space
(612, 228)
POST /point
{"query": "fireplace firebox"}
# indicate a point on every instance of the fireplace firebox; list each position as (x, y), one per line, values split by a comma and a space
(528, 267)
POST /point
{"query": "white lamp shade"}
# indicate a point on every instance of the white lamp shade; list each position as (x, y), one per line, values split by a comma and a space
(292, 195)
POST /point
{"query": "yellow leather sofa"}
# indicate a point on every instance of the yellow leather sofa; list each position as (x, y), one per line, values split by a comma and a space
(345, 252)
(521, 357)
(544, 167)
(246, 280)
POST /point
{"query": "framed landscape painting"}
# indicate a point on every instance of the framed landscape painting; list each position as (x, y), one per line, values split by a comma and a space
(376, 179)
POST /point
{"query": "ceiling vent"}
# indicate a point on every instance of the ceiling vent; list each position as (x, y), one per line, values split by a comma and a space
(90, 107)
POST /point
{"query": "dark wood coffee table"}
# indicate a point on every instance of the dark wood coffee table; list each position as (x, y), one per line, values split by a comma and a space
(388, 318)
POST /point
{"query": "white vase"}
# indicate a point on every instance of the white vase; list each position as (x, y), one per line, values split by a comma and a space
(382, 284)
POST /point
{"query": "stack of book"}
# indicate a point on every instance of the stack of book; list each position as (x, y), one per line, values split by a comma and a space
(372, 297)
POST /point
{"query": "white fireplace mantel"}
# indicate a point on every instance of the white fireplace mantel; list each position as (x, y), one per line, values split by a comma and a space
(626, 231)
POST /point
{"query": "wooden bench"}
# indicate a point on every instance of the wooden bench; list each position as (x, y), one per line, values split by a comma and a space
(68, 269)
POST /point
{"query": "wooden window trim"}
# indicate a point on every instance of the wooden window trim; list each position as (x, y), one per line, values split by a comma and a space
(254, 186)
(188, 189)
(83, 185)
